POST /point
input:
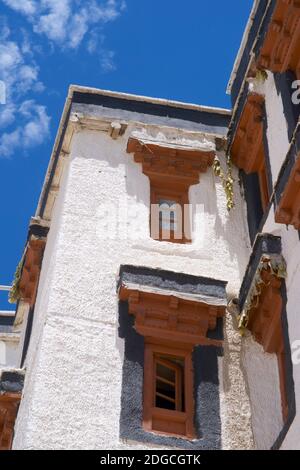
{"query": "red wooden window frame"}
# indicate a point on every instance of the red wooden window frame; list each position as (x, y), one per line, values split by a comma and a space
(263, 185)
(165, 421)
(180, 197)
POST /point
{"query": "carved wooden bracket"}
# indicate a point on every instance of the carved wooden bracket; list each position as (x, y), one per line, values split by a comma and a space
(264, 320)
(160, 161)
(172, 319)
(31, 270)
(247, 149)
(288, 210)
(281, 47)
(9, 403)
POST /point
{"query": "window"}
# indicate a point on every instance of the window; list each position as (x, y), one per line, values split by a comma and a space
(169, 220)
(169, 215)
(172, 169)
(263, 185)
(168, 391)
(171, 326)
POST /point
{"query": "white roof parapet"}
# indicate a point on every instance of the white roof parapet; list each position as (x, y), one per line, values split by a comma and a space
(148, 99)
(7, 313)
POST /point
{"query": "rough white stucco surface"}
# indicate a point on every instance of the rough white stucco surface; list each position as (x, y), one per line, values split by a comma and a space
(262, 374)
(277, 131)
(73, 384)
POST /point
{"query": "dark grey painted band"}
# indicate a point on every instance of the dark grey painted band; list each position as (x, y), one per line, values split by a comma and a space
(254, 32)
(11, 382)
(238, 113)
(169, 280)
(27, 335)
(264, 244)
(37, 231)
(209, 119)
(267, 151)
(264, 27)
(253, 201)
(257, 34)
(6, 320)
(206, 393)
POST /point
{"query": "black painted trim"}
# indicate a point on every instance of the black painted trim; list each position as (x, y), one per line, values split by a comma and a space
(246, 56)
(37, 231)
(237, 115)
(27, 335)
(255, 212)
(264, 244)
(266, 150)
(264, 27)
(209, 118)
(6, 320)
(11, 382)
(169, 280)
(255, 42)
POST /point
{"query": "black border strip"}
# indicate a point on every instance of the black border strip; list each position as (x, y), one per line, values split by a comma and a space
(257, 30)
(170, 280)
(264, 243)
(210, 118)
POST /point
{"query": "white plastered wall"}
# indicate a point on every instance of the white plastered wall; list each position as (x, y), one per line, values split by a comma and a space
(9, 344)
(277, 131)
(73, 384)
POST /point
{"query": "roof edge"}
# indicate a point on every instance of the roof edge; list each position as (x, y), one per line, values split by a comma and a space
(242, 46)
(147, 99)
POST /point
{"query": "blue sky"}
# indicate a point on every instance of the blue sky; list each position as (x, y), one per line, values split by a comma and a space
(174, 49)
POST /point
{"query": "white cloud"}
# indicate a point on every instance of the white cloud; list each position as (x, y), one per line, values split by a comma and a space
(20, 75)
(66, 22)
(17, 70)
(107, 61)
(33, 132)
(7, 114)
(28, 7)
(10, 56)
(9, 142)
(52, 19)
